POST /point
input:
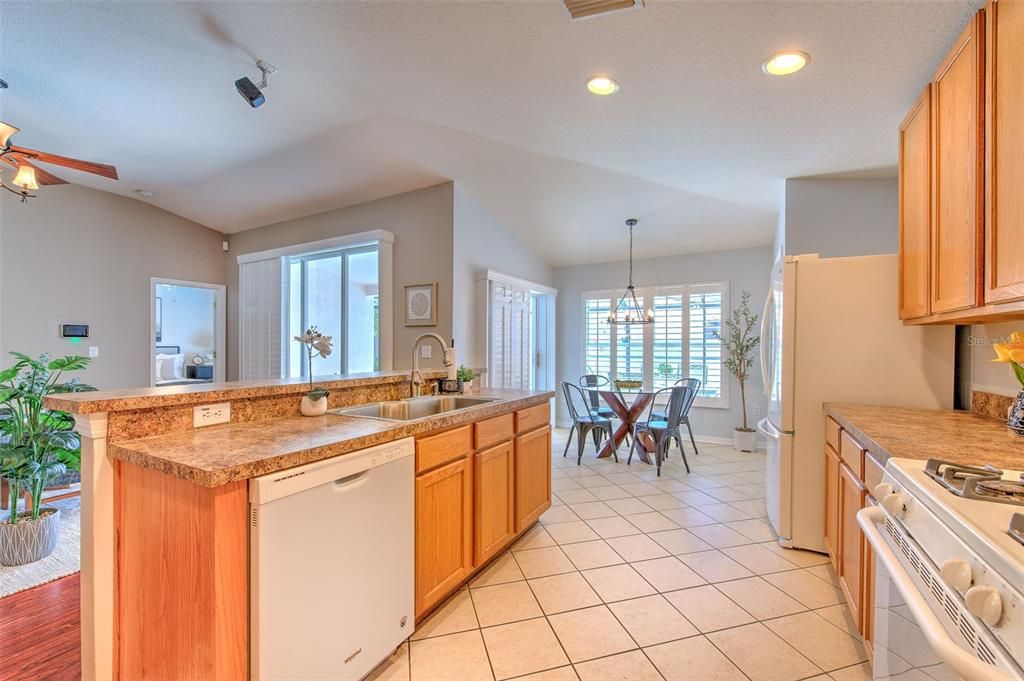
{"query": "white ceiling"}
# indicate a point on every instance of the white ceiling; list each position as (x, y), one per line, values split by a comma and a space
(376, 98)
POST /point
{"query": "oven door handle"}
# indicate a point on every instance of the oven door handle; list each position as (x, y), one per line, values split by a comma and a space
(960, 661)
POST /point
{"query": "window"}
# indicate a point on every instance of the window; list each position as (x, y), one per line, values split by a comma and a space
(680, 344)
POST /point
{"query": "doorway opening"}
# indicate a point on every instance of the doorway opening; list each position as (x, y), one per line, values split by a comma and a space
(187, 321)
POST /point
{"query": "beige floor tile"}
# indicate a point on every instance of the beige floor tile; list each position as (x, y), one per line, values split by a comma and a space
(665, 501)
(592, 509)
(566, 673)
(755, 530)
(454, 616)
(523, 648)
(455, 657)
(652, 619)
(759, 598)
(858, 672)
(715, 566)
(590, 481)
(534, 538)
(797, 556)
(819, 640)
(680, 541)
(806, 588)
(609, 492)
(728, 493)
(670, 485)
(504, 603)
(668, 574)
(612, 527)
(762, 655)
(543, 562)
(651, 522)
(622, 478)
(708, 609)
(637, 547)
(758, 559)
(719, 536)
(824, 572)
(628, 506)
(571, 532)
(395, 668)
(558, 514)
(617, 583)
(840, 616)
(590, 633)
(754, 507)
(560, 484)
(575, 496)
(695, 498)
(688, 517)
(501, 570)
(592, 554)
(631, 666)
(693, 659)
(560, 593)
(641, 489)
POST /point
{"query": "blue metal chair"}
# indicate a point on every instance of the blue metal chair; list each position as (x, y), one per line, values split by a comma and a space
(659, 414)
(663, 428)
(584, 422)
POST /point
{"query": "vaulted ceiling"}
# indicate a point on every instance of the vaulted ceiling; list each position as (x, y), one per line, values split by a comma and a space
(376, 98)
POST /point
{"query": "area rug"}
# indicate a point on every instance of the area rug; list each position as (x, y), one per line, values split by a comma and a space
(65, 559)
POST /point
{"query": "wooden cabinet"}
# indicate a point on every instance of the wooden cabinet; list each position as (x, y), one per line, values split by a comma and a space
(915, 209)
(832, 482)
(444, 531)
(494, 500)
(533, 476)
(851, 500)
(434, 450)
(1004, 163)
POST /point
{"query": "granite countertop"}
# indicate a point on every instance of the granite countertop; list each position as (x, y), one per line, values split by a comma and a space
(959, 436)
(217, 455)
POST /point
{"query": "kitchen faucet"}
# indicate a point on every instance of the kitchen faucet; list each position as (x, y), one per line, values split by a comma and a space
(416, 381)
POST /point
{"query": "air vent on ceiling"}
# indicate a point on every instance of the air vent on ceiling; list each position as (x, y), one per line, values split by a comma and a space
(580, 9)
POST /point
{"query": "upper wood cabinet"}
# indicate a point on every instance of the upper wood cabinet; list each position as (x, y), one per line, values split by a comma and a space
(915, 198)
(1004, 124)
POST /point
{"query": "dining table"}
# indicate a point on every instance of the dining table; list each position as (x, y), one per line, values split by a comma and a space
(629, 405)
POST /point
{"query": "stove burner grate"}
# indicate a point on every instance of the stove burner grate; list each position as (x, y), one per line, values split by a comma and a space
(972, 482)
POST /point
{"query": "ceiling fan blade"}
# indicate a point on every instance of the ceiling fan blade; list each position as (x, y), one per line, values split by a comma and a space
(6, 132)
(73, 163)
(43, 177)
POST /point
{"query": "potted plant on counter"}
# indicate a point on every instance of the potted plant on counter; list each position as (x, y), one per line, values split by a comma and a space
(1012, 353)
(738, 345)
(314, 402)
(465, 377)
(37, 445)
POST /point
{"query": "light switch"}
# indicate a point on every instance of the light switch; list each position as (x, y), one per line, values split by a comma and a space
(94, 351)
(425, 351)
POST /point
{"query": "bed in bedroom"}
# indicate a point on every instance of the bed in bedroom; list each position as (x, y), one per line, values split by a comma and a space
(170, 367)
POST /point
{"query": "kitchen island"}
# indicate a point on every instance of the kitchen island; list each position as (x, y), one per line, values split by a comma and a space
(165, 504)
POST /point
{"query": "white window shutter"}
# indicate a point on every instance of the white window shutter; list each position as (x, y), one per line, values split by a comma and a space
(510, 331)
(259, 323)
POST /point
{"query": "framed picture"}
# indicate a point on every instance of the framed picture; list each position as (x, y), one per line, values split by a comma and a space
(158, 321)
(420, 305)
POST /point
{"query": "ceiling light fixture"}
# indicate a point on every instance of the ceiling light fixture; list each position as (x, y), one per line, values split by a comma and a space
(785, 63)
(602, 85)
(628, 310)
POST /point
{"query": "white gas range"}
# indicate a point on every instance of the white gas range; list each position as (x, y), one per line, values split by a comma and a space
(949, 572)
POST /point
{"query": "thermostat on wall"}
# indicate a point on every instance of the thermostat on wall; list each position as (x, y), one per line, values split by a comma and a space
(74, 330)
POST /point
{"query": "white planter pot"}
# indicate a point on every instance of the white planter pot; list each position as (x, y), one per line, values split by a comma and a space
(744, 441)
(310, 407)
(29, 540)
(467, 386)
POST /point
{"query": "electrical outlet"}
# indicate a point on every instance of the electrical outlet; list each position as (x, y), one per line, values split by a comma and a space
(425, 351)
(94, 351)
(211, 414)
(757, 410)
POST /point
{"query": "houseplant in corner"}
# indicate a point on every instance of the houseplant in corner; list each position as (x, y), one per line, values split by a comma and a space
(738, 345)
(1013, 354)
(314, 402)
(36, 446)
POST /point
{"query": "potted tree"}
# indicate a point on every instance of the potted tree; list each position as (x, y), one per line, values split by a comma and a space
(738, 345)
(36, 446)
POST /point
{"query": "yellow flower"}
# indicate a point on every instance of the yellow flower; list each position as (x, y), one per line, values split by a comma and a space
(1012, 351)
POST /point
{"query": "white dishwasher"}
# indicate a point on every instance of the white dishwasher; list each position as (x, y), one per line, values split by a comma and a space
(332, 565)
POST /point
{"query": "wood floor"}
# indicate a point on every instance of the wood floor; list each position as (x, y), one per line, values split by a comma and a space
(40, 632)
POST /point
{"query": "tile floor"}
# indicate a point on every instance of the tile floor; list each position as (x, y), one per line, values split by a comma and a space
(630, 577)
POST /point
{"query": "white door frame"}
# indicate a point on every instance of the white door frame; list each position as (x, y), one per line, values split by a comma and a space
(219, 324)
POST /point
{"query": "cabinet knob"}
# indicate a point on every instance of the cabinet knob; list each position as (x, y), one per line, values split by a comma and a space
(895, 504)
(957, 573)
(985, 603)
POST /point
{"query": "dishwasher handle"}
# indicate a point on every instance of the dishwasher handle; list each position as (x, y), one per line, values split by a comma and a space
(350, 480)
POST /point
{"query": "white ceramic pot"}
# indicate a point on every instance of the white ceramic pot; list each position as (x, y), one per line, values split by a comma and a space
(311, 407)
(744, 440)
(467, 386)
(29, 540)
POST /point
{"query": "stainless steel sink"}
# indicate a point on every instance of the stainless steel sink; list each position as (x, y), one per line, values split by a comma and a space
(415, 408)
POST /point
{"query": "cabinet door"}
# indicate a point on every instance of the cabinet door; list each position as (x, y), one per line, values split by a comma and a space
(915, 198)
(851, 500)
(444, 531)
(1004, 120)
(832, 505)
(533, 476)
(494, 500)
(957, 177)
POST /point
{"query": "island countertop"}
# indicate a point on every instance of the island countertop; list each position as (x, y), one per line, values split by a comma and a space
(959, 436)
(217, 455)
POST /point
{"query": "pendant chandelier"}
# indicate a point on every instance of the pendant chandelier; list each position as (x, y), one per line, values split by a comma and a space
(628, 310)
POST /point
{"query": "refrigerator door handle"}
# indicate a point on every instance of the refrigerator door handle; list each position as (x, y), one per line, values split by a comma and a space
(766, 352)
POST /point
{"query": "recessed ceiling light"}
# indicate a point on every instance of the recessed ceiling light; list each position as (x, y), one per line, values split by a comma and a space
(785, 63)
(145, 193)
(602, 85)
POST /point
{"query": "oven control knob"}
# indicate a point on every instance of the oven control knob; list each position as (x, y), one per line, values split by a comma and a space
(985, 603)
(882, 490)
(957, 573)
(895, 504)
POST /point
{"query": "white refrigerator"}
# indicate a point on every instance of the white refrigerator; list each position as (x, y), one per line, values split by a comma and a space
(831, 333)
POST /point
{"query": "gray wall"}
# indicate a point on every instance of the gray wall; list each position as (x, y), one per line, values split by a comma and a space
(745, 269)
(79, 255)
(422, 224)
(482, 243)
(840, 217)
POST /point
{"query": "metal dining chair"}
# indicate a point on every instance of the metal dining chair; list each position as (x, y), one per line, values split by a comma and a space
(584, 422)
(659, 414)
(594, 397)
(663, 430)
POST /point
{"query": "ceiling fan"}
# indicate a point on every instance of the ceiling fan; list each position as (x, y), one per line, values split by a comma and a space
(30, 176)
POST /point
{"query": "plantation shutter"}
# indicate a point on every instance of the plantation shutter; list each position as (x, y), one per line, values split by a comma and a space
(260, 316)
(508, 365)
(705, 351)
(597, 334)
